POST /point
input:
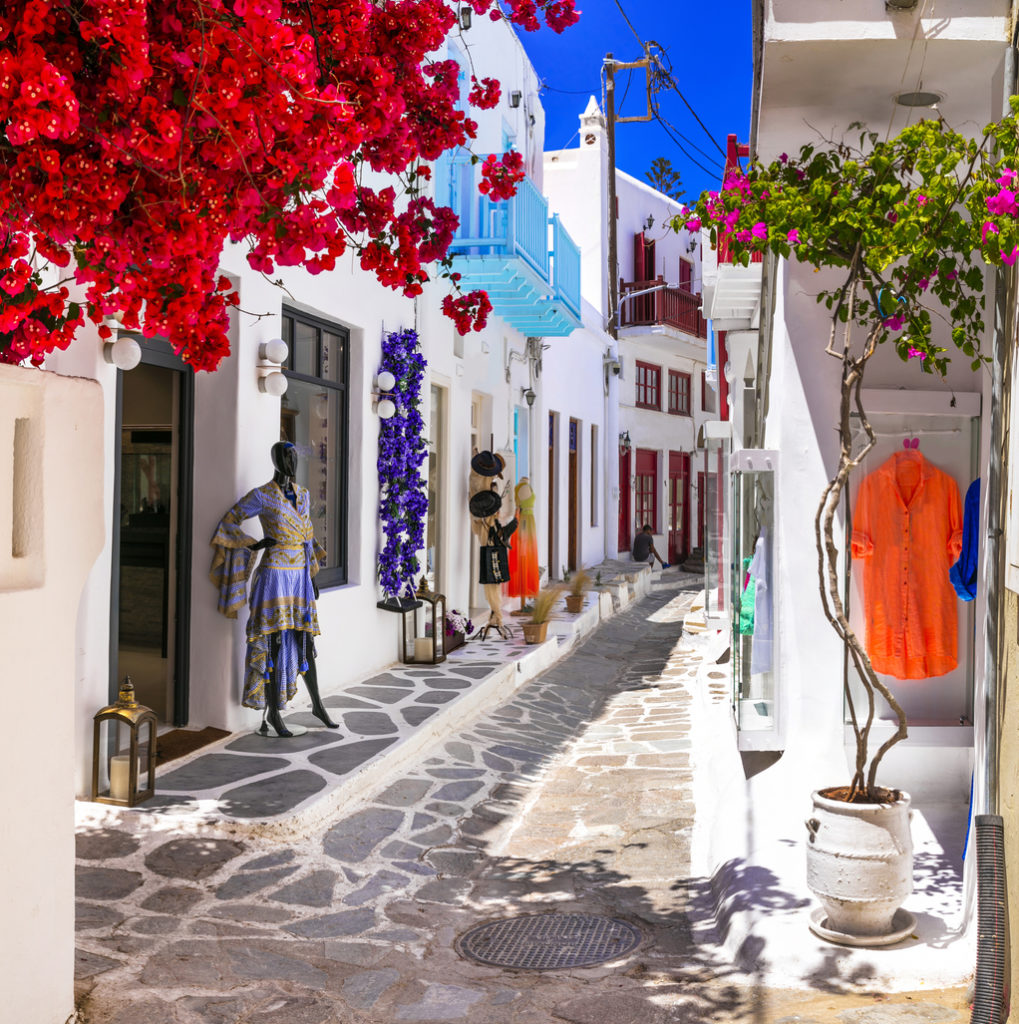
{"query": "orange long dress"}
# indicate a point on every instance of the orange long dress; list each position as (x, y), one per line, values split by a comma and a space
(523, 554)
(907, 532)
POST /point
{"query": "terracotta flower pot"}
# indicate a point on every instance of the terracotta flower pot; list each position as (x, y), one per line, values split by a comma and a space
(535, 632)
(574, 603)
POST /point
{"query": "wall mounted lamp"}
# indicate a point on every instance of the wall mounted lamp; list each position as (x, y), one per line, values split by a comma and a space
(528, 395)
(383, 395)
(515, 97)
(625, 444)
(649, 223)
(124, 353)
(272, 354)
(466, 14)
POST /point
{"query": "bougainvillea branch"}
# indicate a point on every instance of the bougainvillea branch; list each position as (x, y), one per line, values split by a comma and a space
(403, 500)
(141, 136)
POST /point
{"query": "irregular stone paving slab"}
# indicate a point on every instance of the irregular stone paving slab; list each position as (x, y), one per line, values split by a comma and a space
(438, 697)
(105, 883)
(386, 695)
(192, 858)
(88, 916)
(442, 1002)
(360, 954)
(282, 745)
(314, 890)
(156, 925)
(249, 882)
(343, 701)
(216, 966)
(269, 860)
(369, 723)
(416, 715)
(257, 912)
(404, 793)
(457, 790)
(456, 773)
(362, 990)
(353, 839)
(103, 844)
(146, 1011)
(274, 795)
(446, 683)
(213, 771)
(346, 922)
(388, 679)
(379, 883)
(172, 900)
(212, 1009)
(88, 965)
(295, 1010)
(342, 759)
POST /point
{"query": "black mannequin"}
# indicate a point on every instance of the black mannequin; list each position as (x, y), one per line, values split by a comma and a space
(284, 461)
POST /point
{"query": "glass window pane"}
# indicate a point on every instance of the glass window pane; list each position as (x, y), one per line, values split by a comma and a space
(304, 357)
(310, 419)
(333, 357)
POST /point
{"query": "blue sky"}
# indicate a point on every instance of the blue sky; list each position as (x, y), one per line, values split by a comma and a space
(713, 69)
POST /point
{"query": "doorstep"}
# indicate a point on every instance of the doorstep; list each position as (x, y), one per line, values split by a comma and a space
(286, 787)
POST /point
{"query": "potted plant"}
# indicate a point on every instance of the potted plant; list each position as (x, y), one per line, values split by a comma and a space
(902, 222)
(458, 627)
(578, 583)
(536, 629)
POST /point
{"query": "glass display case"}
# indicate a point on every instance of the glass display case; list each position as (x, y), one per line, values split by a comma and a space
(754, 627)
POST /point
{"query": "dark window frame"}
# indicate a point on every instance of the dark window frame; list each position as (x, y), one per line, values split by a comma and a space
(333, 575)
(648, 391)
(677, 394)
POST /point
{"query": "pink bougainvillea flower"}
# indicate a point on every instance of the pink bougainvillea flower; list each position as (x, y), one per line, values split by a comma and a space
(1009, 258)
(1007, 177)
(921, 199)
(894, 323)
(892, 216)
(793, 237)
(915, 353)
(989, 228)
(1004, 202)
(694, 224)
(783, 158)
(759, 230)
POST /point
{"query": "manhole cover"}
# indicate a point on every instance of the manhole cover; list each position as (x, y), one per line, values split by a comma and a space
(549, 942)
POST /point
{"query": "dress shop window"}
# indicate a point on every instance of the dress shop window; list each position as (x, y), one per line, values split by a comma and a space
(649, 386)
(679, 393)
(314, 417)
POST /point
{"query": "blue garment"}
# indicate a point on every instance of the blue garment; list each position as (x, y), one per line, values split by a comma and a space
(963, 574)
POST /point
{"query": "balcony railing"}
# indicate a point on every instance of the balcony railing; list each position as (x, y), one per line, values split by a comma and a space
(667, 306)
(524, 259)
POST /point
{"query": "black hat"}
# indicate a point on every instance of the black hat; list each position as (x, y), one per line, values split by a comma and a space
(487, 464)
(485, 504)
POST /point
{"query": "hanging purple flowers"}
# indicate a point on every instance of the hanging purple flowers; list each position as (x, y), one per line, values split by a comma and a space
(403, 500)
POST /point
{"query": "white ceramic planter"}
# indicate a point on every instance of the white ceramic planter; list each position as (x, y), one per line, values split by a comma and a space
(859, 863)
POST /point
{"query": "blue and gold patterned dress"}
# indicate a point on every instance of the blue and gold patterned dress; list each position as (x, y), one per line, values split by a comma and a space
(282, 599)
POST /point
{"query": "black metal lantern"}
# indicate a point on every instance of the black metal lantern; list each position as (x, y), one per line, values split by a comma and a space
(122, 770)
(424, 628)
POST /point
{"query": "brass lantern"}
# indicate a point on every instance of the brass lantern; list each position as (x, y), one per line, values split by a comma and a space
(424, 628)
(123, 771)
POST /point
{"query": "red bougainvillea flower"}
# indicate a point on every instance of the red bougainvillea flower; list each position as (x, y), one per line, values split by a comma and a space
(141, 136)
(501, 175)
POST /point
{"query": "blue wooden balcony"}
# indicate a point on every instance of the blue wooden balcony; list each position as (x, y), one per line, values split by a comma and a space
(523, 258)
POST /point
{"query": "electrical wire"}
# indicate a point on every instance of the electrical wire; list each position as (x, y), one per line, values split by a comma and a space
(630, 25)
(660, 72)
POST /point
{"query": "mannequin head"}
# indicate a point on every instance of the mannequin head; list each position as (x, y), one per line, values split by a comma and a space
(284, 461)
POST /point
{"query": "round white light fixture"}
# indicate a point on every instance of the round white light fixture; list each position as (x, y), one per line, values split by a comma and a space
(386, 409)
(919, 99)
(273, 351)
(385, 381)
(124, 353)
(273, 384)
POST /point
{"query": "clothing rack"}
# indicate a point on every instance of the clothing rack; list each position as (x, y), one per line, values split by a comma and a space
(913, 433)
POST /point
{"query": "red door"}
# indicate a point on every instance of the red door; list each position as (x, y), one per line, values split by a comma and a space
(701, 496)
(646, 489)
(624, 501)
(679, 506)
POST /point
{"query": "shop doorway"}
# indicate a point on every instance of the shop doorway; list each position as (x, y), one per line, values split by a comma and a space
(151, 584)
(679, 506)
(434, 554)
(646, 488)
(701, 497)
(552, 495)
(625, 539)
(574, 497)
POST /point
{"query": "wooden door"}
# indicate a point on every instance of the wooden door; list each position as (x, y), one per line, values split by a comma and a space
(646, 489)
(574, 498)
(701, 496)
(679, 506)
(624, 501)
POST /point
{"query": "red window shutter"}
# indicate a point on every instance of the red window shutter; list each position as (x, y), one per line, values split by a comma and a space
(685, 274)
(638, 257)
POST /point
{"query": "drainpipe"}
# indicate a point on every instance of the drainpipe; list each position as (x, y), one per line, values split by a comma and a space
(992, 906)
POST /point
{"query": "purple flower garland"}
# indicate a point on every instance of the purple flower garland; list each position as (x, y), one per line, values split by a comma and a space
(403, 500)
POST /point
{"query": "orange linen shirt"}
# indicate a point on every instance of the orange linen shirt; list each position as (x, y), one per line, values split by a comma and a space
(907, 531)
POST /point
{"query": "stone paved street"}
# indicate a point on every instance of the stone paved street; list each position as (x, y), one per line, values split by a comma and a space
(572, 796)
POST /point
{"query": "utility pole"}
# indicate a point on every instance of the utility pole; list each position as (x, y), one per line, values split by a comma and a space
(610, 130)
(610, 134)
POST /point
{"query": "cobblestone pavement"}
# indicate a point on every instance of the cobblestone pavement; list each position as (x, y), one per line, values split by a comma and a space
(573, 796)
